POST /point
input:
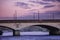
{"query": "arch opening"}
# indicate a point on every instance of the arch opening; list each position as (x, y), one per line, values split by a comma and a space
(52, 30)
(46, 28)
(6, 31)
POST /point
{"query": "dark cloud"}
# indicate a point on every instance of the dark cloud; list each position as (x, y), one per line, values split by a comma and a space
(54, 12)
(34, 16)
(49, 6)
(52, 0)
(7, 18)
(39, 2)
(22, 5)
(42, 16)
(58, 0)
(49, 0)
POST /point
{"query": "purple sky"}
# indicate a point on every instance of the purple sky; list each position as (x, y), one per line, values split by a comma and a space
(27, 8)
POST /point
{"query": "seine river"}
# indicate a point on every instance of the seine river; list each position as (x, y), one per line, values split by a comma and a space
(30, 37)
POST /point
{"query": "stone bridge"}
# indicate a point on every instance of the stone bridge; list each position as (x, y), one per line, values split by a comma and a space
(18, 24)
(21, 24)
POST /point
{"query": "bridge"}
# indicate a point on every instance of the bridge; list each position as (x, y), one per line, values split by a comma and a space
(18, 24)
(52, 25)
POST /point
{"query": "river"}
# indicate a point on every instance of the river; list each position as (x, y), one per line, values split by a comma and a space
(27, 37)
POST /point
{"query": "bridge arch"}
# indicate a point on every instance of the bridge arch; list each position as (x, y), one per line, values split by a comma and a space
(5, 28)
(52, 30)
(47, 26)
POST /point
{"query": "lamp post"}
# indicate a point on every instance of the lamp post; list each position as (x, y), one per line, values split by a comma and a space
(16, 32)
(53, 15)
(15, 18)
(38, 16)
(34, 15)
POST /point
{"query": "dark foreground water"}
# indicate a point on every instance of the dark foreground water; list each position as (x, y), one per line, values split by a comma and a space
(30, 38)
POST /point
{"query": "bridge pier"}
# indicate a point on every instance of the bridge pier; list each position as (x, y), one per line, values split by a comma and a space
(55, 32)
(16, 33)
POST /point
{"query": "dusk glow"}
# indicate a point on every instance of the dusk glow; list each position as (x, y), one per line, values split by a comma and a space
(25, 8)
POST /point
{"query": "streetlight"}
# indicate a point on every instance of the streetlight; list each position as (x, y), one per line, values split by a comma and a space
(38, 15)
(16, 32)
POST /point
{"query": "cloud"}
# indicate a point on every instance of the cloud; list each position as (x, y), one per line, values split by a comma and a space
(49, 0)
(54, 12)
(42, 16)
(34, 16)
(40, 2)
(49, 6)
(52, 0)
(58, 0)
(22, 5)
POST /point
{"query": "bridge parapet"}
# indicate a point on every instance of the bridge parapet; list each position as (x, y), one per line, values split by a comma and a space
(29, 21)
(18, 26)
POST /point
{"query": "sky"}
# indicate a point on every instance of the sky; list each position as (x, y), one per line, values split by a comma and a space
(27, 8)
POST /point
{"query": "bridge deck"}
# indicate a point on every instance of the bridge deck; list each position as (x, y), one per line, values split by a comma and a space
(29, 21)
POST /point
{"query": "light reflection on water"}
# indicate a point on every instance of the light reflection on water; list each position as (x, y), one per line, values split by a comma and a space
(30, 38)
